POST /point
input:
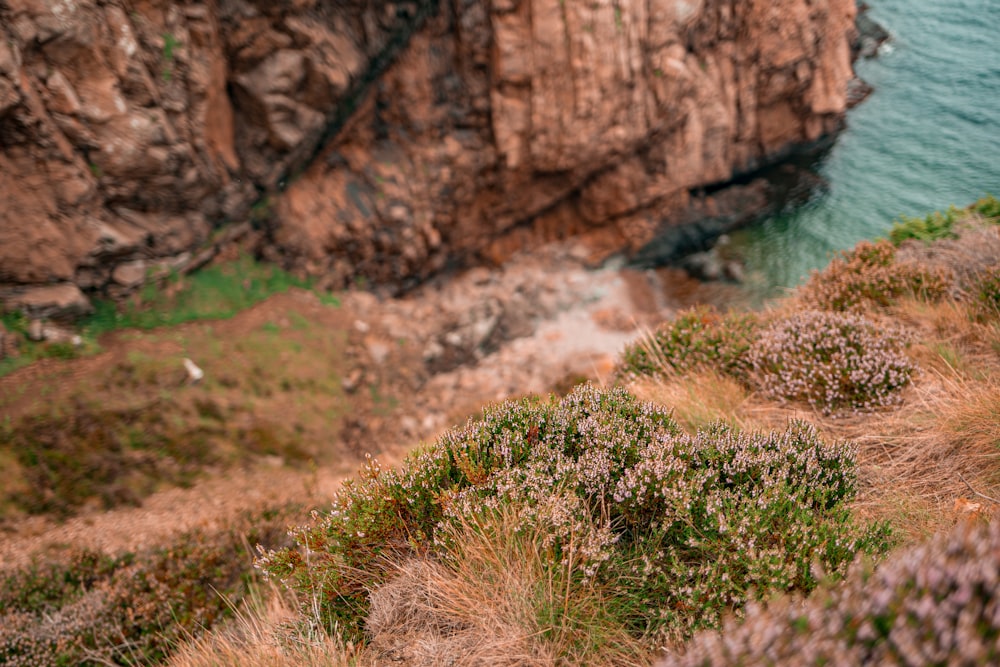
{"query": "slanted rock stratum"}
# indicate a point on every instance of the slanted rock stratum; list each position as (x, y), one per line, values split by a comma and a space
(395, 139)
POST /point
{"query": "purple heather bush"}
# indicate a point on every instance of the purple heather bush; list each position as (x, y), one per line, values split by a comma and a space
(934, 604)
(676, 530)
(833, 361)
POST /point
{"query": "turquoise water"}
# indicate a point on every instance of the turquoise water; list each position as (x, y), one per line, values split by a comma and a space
(928, 137)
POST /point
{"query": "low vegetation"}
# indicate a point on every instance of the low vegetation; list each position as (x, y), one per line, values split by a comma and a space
(697, 338)
(90, 608)
(138, 424)
(216, 292)
(670, 531)
(83, 454)
(28, 351)
(937, 225)
(933, 604)
(869, 275)
(653, 531)
(832, 361)
(778, 474)
(986, 295)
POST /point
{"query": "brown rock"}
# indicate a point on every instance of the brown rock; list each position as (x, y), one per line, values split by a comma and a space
(130, 274)
(119, 141)
(63, 301)
(579, 114)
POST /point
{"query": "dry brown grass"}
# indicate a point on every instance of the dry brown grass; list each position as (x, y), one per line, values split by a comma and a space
(493, 602)
(698, 399)
(268, 631)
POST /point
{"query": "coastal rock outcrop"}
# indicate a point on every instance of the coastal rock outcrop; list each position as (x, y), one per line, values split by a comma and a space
(129, 131)
(567, 116)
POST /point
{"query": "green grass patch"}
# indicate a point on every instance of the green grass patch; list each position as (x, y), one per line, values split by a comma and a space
(30, 351)
(217, 292)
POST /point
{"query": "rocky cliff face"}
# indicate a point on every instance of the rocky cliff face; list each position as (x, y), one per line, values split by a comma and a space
(129, 129)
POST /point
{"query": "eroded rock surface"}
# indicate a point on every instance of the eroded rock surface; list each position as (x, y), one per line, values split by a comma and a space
(565, 115)
(127, 132)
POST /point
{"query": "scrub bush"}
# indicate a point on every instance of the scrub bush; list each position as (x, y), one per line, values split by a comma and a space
(988, 206)
(94, 609)
(930, 228)
(870, 275)
(674, 530)
(935, 604)
(699, 337)
(833, 361)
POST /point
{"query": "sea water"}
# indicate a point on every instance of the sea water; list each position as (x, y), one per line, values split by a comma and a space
(927, 138)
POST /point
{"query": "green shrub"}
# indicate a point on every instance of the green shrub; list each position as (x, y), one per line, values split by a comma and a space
(988, 206)
(832, 361)
(675, 530)
(700, 337)
(935, 604)
(869, 275)
(931, 227)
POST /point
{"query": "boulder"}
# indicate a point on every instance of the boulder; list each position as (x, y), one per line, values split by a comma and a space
(62, 302)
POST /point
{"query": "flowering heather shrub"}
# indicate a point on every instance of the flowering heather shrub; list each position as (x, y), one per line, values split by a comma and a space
(832, 361)
(675, 529)
(96, 610)
(697, 337)
(869, 274)
(935, 604)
